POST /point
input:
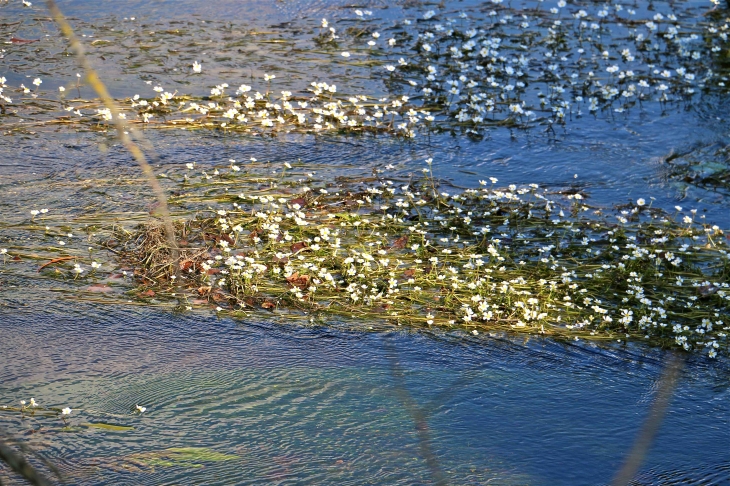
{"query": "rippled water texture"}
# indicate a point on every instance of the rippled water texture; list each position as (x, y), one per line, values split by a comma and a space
(325, 406)
(260, 401)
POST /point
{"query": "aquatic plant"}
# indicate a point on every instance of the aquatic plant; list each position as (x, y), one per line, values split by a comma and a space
(519, 258)
(397, 250)
(439, 70)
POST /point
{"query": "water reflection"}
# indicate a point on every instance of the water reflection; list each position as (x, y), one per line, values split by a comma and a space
(321, 405)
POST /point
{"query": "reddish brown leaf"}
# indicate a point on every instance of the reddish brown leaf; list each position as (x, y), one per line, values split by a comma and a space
(218, 238)
(147, 293)
(296, 280)
(203, 290)
(409, 273)
(213, 271)
(154, 207)
(16, 258)
(268, 305)
(16, 40)
(299, 200)
(400, 243)
(99, 288)
(298, 246)
(280, 261)
(706, 290)
(184, 266)
(218, 297)
(199, 301)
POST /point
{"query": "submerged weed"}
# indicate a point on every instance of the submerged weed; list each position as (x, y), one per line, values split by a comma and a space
(440, 70)
(406, 251)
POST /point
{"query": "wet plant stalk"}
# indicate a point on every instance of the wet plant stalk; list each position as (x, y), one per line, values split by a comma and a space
(121, 127)
(665, 391)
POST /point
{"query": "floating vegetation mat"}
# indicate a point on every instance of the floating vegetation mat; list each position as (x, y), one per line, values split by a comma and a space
(412, 252)
(404, 251)
(463, 71)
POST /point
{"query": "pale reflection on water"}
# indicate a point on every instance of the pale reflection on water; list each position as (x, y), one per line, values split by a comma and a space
(326, 405)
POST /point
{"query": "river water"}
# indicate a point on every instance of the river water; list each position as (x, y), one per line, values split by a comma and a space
(263, 401)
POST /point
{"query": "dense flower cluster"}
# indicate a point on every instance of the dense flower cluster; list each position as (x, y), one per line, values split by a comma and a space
(512, 66)
(515, 258)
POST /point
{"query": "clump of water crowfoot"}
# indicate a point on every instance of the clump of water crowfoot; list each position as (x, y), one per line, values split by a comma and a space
(32, 408)
(493, 65)
(406, 251)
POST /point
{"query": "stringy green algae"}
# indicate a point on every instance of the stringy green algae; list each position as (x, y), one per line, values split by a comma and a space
(460, 71)
(518, 258)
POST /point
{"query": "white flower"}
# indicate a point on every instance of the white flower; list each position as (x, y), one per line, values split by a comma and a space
(640, 201)
(140, 409)
(345, 54)
(66, 411)
(197, 67)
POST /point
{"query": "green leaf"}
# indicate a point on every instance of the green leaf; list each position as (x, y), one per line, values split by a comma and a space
(101, 425)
